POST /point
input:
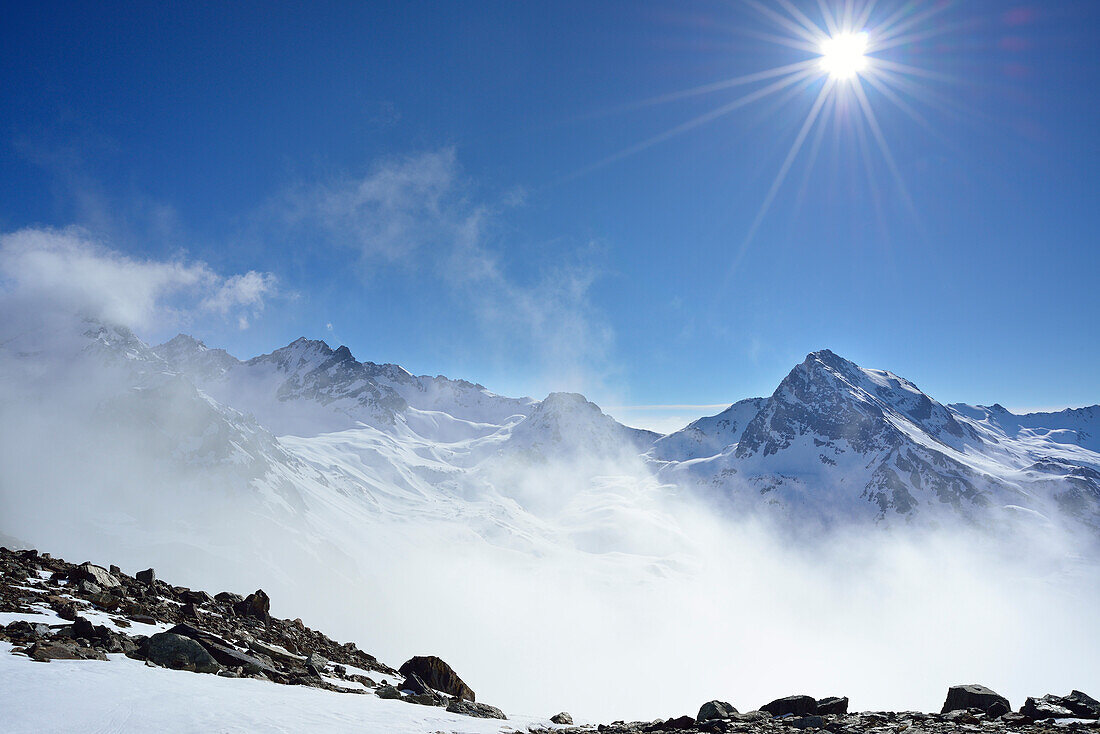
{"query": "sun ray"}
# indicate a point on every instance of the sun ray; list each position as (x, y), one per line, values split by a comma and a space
(865, 14)
(696, 121)
(830, 21)
(915, 71)
(885, 33)
(883, 88)
(783, 21)
(802, 18)
(811, 118)
(721, 85)
(783, 41)
(884, 147)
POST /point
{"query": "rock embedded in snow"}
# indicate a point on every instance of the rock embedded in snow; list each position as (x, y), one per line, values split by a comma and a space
(438, 675)
(477, 710)
(179, 653)
(562, 717)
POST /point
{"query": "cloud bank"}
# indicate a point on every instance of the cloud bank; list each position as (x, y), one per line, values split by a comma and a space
(67, 270)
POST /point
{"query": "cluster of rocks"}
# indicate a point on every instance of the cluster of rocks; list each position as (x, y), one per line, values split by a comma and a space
(225, 634)
(968, 708)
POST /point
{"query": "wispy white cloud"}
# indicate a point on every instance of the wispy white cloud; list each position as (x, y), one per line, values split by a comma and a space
(66, 269)
(420, 211)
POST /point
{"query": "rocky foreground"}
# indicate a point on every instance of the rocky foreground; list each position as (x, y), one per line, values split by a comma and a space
(96, 611)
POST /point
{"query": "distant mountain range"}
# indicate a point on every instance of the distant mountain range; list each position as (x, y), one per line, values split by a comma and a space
(309, 432)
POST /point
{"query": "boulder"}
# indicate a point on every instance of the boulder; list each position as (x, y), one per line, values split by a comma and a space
(478, 710)
(1047, 707)
(427, 699)
(317, 664)
(1082, 705)
(94, 574)
(714, 710)
(972, 696)
(835, 705)
(438, 675)
(256, 604)
(680, 723)
(198, 598)
(190, 611)
(115, 570)
(797, 705)
(562, 717)
(23, 631)
(225, 653)
(147, 577)
(48, 650)
(228, 597)
(179, 653)
(415, 684)
(388, 692)
(997, 709)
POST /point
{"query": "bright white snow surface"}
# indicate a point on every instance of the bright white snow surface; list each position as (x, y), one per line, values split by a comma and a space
(124, 695)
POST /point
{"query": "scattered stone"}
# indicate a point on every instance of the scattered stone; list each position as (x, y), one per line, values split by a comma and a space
(714, 710)
(971, 696)
(835, 705)
(797, 705)
(49, 650)
(438, 675)
(388, 692)
(562, 718)
(478, 710)
(1047, 707)
(805, 722)
(198, 598)
(317, 664)
(94, 574)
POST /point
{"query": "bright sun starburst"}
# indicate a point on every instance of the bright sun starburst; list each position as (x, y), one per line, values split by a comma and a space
(844, 55)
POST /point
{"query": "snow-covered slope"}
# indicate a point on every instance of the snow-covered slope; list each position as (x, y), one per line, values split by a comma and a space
(837, 442)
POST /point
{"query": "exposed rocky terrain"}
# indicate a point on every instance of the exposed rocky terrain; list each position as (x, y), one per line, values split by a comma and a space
(104, 611)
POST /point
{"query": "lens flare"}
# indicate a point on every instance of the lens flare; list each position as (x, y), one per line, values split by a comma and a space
(844, 55)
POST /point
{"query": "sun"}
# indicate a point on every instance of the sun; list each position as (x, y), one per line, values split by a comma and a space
(844, 55)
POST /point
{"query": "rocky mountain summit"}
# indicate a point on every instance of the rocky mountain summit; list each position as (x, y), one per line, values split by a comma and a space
(86, 612)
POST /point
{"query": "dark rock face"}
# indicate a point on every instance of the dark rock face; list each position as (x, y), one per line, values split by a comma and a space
(148, 577)
(1076, 705)
(478, 710)
(680, 723)
(797, 705)
(179, 652)
(438, 675)
(715, 710)
(807, 722)
(999, 708)
(562, 717)
(833, 705)
(972, 696)
(256, 604)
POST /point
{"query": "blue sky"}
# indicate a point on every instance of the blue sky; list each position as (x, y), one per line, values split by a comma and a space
(465, 188)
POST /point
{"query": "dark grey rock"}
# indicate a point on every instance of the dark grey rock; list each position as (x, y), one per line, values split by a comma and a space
(715, 710)
(388, 692)
(478, 710)
(972, 696)
(438, 675)
(805, 722)
(835, 705)
(1047, 707)
(147, 577)
(562, 717)
(179, 652)
(797, 705)
(48, 650)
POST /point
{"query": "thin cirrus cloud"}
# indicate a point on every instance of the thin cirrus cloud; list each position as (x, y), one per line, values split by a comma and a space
(68, 270)
(421, 212)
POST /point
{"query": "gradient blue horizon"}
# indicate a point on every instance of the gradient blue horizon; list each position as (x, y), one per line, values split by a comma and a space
(177, 131)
